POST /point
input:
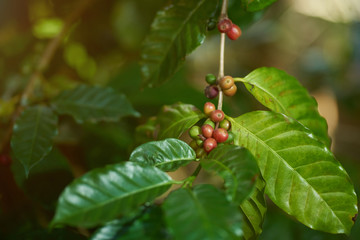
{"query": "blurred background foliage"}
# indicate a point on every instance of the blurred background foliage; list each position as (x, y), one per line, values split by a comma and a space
(316, 41)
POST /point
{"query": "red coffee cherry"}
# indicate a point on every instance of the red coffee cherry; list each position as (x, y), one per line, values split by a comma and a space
(211, 92)
(217, 116)
(208, 108)
(226, 82)
(220, 135)
(224, 25)
(210, 144)
(225, 124)
(231, 91)
(234, 32)
(207, 130)
(5, 160)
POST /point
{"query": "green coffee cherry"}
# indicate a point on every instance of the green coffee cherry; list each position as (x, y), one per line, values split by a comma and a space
(211, 79)
(194, 132)
(211, 123)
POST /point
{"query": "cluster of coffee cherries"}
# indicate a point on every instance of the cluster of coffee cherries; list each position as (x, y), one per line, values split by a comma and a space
(214, 131)
(232, 30)
(226, 84)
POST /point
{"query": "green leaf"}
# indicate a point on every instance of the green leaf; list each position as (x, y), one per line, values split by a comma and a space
(254, 210)
(237, 166)
(32, 135)
(147, 225)
(103, 194)
(176, 119)
(145, 132)
(176, 31)
(168, 155)
(256, 5)
(88, 103)
(301, 174)
(282, 93)
(203, 213)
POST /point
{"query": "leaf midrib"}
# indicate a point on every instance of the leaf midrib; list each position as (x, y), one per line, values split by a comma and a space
(288, 166)
(101, 204)
(177, 33)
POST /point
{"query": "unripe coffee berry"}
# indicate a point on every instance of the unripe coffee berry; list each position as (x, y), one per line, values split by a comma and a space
(210, 79)
(220, 135)
(211, 24)
(224, 25)
(234, 32)
(200, 153)
(211, 123)
(207, 130)
(230, 137)
(231, 91)
(211, 92)
(217, 116)
(225, 124)
(209, 108)
(210, 144)
(226, 82)
(193, 144)
(194, 132)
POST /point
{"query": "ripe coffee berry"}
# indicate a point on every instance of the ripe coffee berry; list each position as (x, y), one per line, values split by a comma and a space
(194, 132)
(226, 82)
(217, 116)
(234, 32)
(209, 108)
(207, 130)
(5, 160)
(231, 91)
(211, 92)
(210, 144)
(224, 25)
(220, 135)
(210, 79)
(225, 124)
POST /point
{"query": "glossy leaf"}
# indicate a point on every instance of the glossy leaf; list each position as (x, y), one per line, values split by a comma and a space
(148, 224)
(32, 135)
(175, 119)
(256, 5)
(254, 210)
(202, 213)
(88, 103)
(282, 93)
(301, 174)
(168, 155)
(176, 31)
(237, 167)
(103, 194)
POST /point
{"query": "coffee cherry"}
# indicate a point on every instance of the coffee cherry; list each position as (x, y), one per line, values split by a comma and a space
(194, 132)
(5, 160)
(211, 24)
(234, 32)
(224, 25)
(230, 138)
(226, 82)
(220, 135)
(208, 108)
(207, 130)
(199, 143)
(211, 92)
(193, 144)
(211, 123)
(200, 153)
(225, 124)
(210, 144)
(210, 79)
(231, 91)
(217, 116)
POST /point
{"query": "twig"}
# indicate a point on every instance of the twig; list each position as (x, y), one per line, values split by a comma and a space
(41, 66)
(223, 15)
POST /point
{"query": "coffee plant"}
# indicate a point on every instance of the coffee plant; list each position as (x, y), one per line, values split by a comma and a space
(282, 152)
